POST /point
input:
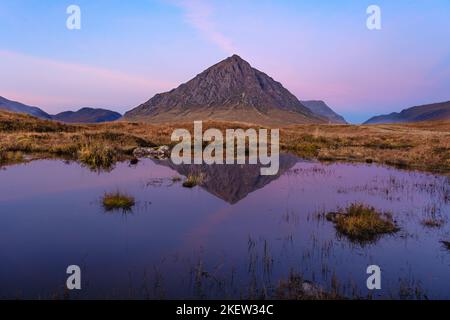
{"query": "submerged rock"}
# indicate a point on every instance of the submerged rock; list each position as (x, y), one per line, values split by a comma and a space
(161, 152)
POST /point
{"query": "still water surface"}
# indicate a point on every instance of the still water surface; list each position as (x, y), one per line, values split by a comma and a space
(235, 236)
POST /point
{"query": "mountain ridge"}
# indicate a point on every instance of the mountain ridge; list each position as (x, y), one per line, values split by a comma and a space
(18, 107)
(87, 115)
(230, 90)
(321, 108)
(427, 112)
(83, 115)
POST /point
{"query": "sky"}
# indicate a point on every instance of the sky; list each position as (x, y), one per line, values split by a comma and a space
(127, 51)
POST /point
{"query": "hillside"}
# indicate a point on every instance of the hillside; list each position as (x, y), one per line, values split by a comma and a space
(429, 112)
(87, 115)
(14, 106)
(322, 109)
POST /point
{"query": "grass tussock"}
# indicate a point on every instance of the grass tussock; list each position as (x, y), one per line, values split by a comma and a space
(361, 223)
(193, 180)
(117, 200)
(97, 156)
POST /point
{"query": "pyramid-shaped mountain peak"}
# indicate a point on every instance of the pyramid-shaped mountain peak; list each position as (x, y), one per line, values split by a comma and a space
(231, 90)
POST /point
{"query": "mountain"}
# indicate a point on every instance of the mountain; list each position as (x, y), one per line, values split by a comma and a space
(87, 115)
(320, 108)
(428, 112)
(231, 90)
(14, 106)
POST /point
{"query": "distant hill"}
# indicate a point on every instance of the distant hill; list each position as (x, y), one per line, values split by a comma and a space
(428, 112)
(87, 115)
(320, 108)
(230, 90)
(14, 106)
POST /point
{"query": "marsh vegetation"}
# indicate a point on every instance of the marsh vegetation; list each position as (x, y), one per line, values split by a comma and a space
(424, 146)
(362, 223)
(117, 200)
(193, 180)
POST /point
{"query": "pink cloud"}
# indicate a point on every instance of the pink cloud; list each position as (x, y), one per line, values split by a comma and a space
(199, 14)
(56, 85)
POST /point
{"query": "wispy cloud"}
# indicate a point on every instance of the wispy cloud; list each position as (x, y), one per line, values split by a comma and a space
(56, 85)
(199, 13)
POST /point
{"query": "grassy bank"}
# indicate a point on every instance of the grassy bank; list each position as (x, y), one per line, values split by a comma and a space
(422, 146)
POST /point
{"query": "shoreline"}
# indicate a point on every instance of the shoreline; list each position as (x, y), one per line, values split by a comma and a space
(423, 146)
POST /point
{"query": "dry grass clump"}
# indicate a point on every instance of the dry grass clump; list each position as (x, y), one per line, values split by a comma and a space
(193, 180)
(117, 200)
(97, 156)
(361, 223)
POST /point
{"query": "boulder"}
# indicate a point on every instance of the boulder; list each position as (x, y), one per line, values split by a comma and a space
(161, 152)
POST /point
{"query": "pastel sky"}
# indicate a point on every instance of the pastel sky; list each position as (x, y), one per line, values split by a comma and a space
(126, 51)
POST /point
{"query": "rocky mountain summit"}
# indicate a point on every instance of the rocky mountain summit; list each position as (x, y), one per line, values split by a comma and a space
(231, 90)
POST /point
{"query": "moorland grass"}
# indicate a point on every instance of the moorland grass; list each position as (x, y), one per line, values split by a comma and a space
(422, 146)
(97, 156)
(117, 200)
(362, 223)
(193, 180)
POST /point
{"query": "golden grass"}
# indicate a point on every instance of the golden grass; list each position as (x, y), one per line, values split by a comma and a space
(192, 180)
(97, 156)
(421, 146)
(117, 200)
(361, 223)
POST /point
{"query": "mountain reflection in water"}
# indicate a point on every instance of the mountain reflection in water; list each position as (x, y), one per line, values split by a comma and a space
(231, 183)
